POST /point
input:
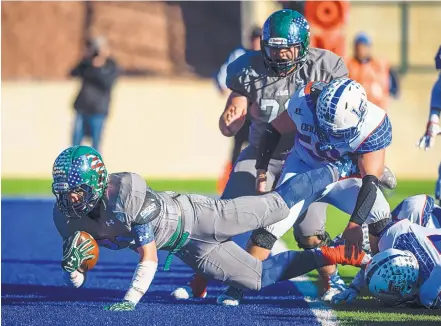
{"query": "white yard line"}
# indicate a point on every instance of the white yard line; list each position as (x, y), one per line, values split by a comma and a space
(324, 314)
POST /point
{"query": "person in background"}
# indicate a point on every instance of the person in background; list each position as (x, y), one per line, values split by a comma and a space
(241, 137)
(98, 72)
(376, 76)
(433, 128)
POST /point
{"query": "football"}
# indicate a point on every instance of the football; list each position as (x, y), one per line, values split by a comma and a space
(95, 251)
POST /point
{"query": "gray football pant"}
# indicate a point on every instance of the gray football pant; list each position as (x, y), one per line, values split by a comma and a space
(211, 251)
(242, 180)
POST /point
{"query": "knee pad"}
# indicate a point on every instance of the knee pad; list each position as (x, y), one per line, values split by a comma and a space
(263, 239)
(325, 240)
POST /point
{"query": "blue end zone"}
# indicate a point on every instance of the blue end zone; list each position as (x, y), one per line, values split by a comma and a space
(33, 292)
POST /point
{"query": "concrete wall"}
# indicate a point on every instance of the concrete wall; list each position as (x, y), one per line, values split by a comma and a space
(158, 128)
(168, 128)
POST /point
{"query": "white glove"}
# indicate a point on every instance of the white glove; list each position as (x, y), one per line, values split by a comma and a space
(432, 130)
(347, 296)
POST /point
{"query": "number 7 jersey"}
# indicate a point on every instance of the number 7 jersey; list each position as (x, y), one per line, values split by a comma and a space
(376, 131)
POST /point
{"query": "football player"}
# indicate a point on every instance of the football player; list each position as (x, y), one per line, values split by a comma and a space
(406, 267)
(433, 129)
(262, 83)
(119, 210)
(419, 209)
(332, 120)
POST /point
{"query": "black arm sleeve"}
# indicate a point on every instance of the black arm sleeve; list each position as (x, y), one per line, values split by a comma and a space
(267, 145)
(365, 199)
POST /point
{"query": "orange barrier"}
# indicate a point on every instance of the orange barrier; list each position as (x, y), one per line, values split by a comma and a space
(327, 20)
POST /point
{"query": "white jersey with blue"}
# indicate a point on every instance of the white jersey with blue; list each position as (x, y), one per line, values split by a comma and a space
(375, 133)
(419, 209)
(425, 244)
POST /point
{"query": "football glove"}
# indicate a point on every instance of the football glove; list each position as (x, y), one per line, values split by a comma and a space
(73, 254)
(347, 296)
(428, 139)
(121, 306)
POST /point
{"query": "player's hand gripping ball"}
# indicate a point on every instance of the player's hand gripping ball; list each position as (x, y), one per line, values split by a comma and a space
(80, 252)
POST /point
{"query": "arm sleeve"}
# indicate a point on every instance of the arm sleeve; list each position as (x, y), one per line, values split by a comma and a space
(104, 76)
(435, 99)
(339, 70)
(221, 77)
(394, 85)
(430, 291)
(79, 69)
(236, 76)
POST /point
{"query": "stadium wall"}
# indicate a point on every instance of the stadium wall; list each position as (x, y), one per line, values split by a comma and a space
(168, 128)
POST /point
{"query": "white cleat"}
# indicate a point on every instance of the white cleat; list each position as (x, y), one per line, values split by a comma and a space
(185, 293)
(230, 298)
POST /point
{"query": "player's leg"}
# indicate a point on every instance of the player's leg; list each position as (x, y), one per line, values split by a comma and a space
(241, 182)
(243, 177)
(239, 139)
(229, 263)
(310, 233)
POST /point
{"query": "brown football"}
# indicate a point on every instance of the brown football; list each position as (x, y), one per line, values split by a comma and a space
(95, 251)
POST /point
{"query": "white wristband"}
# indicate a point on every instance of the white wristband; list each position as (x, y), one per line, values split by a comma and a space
(74, 279)
(143, 277)
(434, 116)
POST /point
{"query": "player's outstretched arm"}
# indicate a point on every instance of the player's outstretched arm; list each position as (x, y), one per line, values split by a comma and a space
(145, 271)
(352, 292)
(371, 167)
(233, 117)
(432, 130)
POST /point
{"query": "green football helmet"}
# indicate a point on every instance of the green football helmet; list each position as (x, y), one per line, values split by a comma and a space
(285, 29)
(78, 172)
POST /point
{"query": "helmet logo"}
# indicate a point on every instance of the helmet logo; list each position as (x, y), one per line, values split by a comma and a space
(278, 41)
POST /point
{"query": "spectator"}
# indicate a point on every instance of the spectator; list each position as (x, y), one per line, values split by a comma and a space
(221, 78)
(98, 72)
(376, 76)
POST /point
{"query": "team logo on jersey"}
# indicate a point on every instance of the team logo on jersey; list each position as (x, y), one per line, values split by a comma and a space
(148, 210)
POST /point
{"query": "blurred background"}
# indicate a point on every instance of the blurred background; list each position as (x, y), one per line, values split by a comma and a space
(159, 107)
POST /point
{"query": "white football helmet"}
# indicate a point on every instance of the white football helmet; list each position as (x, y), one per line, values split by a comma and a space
(341, 110)
(392, 276)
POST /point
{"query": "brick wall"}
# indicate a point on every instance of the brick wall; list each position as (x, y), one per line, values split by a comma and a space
(43, 40)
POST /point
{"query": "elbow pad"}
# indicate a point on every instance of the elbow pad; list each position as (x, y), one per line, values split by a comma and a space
(376, 229)
(365, 200)
(267, 145)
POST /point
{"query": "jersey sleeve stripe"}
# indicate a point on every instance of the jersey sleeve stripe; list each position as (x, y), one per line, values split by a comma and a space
(379, 138)
(371, 132)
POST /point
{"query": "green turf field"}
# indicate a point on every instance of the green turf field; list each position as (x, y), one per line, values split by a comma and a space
(364, 311)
